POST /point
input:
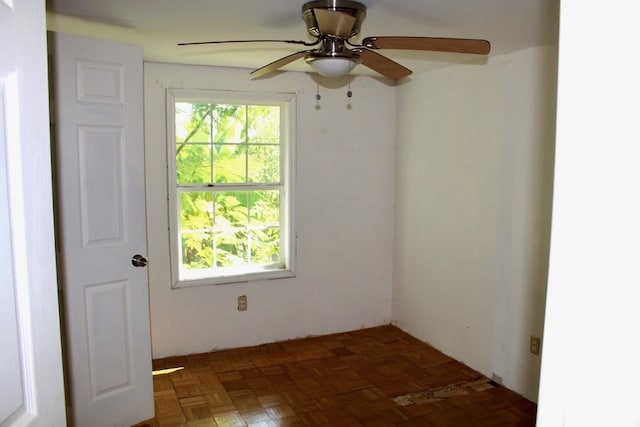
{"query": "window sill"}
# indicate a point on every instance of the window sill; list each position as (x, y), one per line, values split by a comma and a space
(235, 278)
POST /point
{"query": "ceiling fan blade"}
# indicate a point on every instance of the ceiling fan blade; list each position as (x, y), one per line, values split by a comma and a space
(334, 22)
(439, 44)
(275, 65)
(251, 41)
(382, 64)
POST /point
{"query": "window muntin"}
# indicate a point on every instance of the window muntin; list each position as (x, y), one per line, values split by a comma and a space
(230, 187)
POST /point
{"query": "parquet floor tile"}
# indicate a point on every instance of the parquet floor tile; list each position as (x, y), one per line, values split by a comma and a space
(340, 380)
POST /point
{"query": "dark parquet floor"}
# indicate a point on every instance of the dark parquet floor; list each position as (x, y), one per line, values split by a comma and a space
(376, 377)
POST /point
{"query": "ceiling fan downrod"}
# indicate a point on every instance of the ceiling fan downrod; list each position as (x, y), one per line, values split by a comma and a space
(316, 13)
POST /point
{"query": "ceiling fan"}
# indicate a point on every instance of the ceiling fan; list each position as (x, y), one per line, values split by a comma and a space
(333, 23)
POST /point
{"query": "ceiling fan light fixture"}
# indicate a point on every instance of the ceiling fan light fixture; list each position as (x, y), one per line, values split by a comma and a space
(332, 66)
(332, 23)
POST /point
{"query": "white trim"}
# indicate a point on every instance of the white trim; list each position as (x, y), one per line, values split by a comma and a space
(286, 101)
(236, 278)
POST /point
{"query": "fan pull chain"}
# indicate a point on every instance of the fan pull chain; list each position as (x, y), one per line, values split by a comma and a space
(349, 93)
(318, 97)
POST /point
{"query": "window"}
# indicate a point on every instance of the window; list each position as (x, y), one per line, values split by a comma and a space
(230, 186)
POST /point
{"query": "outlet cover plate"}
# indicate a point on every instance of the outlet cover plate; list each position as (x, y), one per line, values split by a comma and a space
(534, 345)
(242, 303)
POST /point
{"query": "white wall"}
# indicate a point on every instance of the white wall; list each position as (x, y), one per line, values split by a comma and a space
(344, 219)
(474, 177)
(590, 370)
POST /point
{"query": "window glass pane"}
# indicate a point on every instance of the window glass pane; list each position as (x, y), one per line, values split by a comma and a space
(231, 210)
(196, 210)
(264, 163)
(264, 208)
(229, 163)
(193, 164)
(264, 124)
(231, 248)
(197, 250)
(226, 224)
(193, 122)
(229, 123)
(265, 246)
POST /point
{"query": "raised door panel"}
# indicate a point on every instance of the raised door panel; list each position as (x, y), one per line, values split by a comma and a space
(15, 373)
(102, 200)
(100, 82)
(107, 306)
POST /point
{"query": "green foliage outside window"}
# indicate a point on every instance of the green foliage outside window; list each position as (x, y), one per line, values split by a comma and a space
(219, 149)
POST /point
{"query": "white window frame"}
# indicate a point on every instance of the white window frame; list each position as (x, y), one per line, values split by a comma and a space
(287, 104)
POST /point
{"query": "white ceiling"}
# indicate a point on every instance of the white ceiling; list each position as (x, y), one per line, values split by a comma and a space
(158, 25)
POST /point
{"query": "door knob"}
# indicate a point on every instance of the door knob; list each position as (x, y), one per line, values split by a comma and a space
(139, 261)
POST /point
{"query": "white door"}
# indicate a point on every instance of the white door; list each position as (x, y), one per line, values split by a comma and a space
(31, 387)
(100, 194)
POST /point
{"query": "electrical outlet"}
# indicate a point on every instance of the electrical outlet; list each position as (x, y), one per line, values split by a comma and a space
(242, 303)
(534, 345)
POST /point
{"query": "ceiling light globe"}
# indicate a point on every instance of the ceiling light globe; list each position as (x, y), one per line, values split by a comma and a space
(332, 66)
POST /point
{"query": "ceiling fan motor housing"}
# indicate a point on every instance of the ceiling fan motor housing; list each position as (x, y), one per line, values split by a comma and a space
(348, 7)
